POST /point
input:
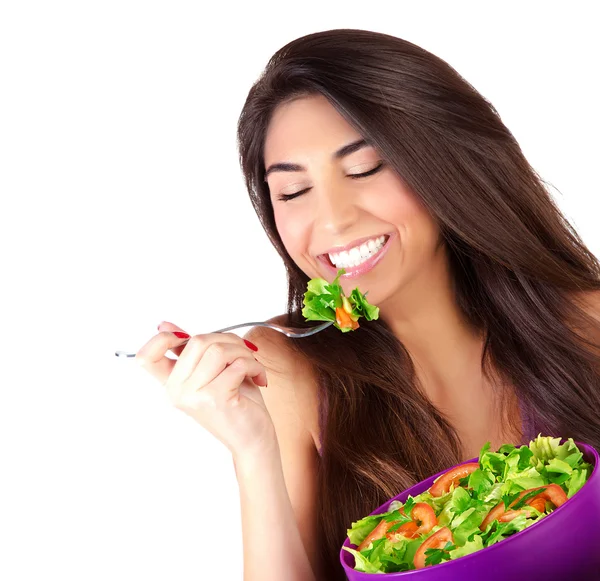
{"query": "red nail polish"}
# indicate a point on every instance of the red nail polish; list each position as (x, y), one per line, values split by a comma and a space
(251, 345)
(181, 335)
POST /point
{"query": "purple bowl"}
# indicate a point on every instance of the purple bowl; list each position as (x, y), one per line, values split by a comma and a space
(564, 545)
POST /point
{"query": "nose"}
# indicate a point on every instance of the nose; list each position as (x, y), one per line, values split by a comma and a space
(335, 210)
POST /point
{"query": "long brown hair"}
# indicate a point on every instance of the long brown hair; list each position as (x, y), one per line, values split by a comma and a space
(515, 261)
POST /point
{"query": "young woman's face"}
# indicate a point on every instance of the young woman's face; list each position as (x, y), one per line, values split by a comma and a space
(338, 210)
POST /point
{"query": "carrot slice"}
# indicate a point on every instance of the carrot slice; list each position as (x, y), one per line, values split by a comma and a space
(343, 319)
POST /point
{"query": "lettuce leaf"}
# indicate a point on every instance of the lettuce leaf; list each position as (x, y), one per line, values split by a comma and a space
(363, 563)
(361, 528)
(469, 547)
(321, 299)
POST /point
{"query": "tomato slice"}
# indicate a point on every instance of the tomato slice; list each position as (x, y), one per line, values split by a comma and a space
(343, 319)
(510, 514)
(437, 540)
(494, 514)
(423, 520)
(442, 485)
(408, 530)
(424, 514)
(377, 533)
(554, 493)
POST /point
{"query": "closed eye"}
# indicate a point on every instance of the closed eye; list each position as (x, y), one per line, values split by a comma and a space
(367, 173)
(286, 197)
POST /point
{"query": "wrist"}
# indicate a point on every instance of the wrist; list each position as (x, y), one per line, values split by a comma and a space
(250, 463)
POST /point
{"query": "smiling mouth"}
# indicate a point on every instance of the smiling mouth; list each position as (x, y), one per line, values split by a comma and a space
(357, 255)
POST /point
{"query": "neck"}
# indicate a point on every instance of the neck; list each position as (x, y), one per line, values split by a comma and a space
(425, 317)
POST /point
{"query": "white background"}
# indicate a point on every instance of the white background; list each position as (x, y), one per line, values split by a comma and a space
(123, 205)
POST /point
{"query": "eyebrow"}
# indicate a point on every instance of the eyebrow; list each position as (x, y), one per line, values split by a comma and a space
(342, 152)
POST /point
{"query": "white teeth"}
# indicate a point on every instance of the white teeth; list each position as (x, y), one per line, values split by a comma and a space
(358, 254)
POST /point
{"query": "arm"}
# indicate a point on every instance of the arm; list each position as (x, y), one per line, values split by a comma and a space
(278, 490)
(273, 548)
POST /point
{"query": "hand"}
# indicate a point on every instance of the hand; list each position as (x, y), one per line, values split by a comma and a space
(214, 381)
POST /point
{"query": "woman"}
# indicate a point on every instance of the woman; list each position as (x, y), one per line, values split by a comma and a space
(488, 326)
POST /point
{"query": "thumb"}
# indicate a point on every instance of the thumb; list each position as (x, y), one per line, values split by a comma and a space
(170, 327)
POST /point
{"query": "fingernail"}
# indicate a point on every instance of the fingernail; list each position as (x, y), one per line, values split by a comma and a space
(251, 345)
(139, 361)
(181, 335)
(259, 385)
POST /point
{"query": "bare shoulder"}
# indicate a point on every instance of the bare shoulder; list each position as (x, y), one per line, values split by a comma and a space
(290, 374)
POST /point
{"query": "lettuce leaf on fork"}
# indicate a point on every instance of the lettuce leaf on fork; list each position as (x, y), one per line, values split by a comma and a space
(327, 302)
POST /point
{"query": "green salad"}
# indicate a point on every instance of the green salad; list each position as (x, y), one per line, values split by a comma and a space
(471, 506)
(327, 302)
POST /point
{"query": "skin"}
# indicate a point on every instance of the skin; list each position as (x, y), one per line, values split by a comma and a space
(411, 285)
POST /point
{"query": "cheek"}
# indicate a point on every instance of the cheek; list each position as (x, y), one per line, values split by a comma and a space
(292, 229)
(397, 205)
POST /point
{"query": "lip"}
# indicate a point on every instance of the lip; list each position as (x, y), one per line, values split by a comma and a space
(353, 244)
(363, 268)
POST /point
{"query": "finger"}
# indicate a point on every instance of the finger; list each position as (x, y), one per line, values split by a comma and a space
(153, 353)
(170, 327)
(219, 356)
(224, 388)
(152, 356)
(201, 362)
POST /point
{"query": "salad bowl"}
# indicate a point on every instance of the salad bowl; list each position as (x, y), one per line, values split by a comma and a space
(563, 545)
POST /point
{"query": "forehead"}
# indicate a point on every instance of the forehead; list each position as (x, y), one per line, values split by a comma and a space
(305, 126)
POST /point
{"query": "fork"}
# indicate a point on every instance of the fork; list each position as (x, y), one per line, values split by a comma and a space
(294, 332)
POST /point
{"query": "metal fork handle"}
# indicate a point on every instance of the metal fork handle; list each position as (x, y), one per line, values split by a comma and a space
(255, 324)
(288, 331)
